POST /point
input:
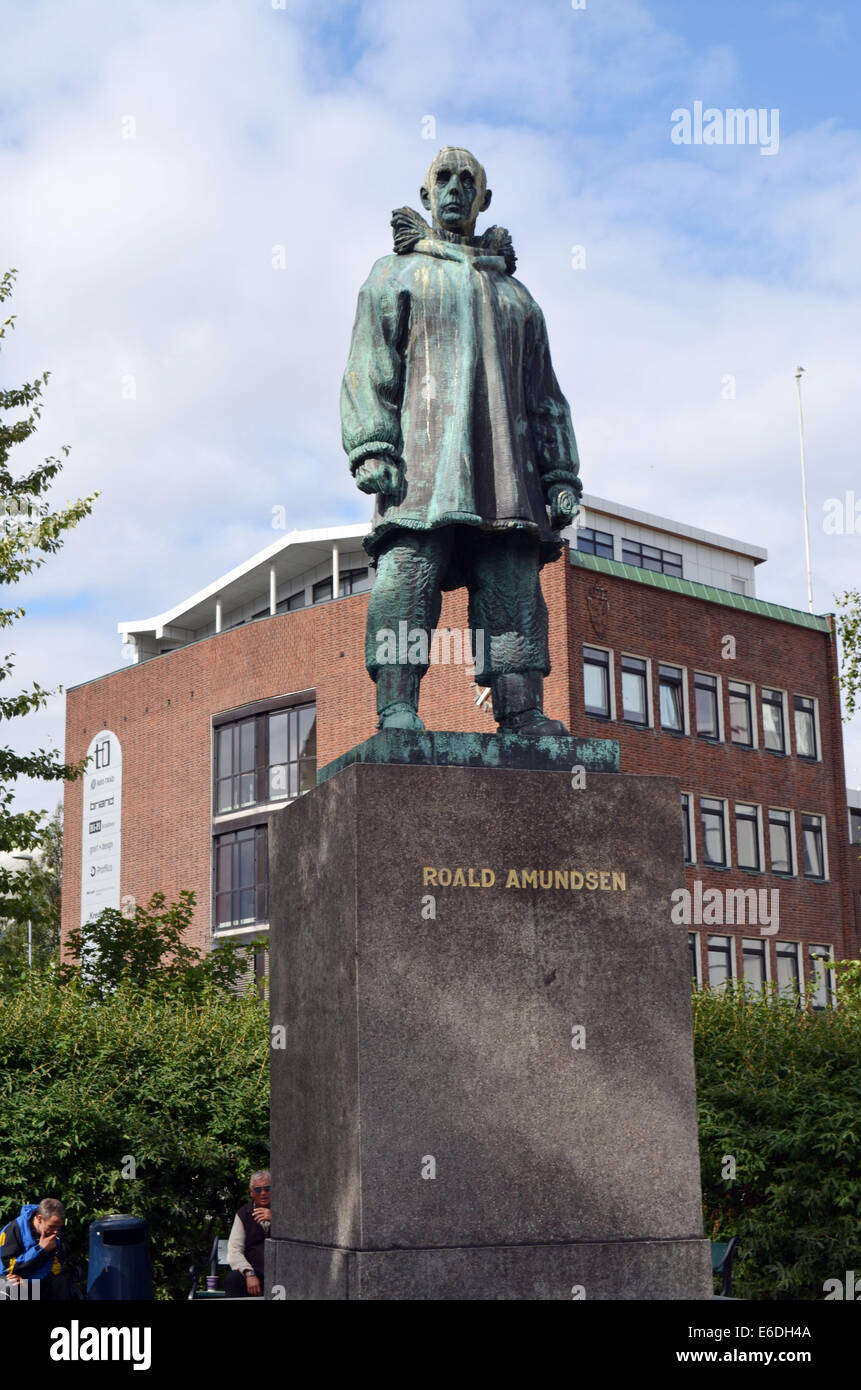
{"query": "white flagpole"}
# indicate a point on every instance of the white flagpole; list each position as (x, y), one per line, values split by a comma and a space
(798, 372)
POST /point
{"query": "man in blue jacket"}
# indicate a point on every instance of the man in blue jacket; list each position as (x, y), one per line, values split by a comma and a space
(31, 1248)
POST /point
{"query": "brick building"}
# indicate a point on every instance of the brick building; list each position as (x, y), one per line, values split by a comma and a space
(236, 696)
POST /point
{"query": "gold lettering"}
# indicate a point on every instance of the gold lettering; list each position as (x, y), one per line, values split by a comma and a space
(473, 881)
(576, 878)
(488, 878)
(529, 878)
(444, 878)
(592, 879)
(605, 881)
(429, 878)
(619, 882)
(549, 875)
(459, 879)
(561, 877)
(512, 881)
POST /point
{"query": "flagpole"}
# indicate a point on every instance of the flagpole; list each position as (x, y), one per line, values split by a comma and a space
(798, 372)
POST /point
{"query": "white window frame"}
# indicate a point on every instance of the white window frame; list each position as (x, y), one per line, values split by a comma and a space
(799, 967)
(611, 679)
(822, 821)
(686, 708)
(759, 837)
(757, 941)
(733, 962)
(754, 722)
(692, 828)
(713, 675)
(816, 730)
(830, 974)
(650, 711)
(698, 957)
(793, 848)
(727, 842)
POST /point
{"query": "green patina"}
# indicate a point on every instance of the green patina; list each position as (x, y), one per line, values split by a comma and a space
(518, 752)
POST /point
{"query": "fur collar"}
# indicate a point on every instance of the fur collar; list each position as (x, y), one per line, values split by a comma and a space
(412, 233)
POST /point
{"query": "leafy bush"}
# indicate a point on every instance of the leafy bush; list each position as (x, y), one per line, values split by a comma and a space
(179, 1085)
(779, 1090)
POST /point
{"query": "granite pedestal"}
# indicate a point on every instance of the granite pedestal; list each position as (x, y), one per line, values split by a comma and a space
(482, 1065)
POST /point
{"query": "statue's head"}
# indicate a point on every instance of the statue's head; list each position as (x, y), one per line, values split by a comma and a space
(455, 190)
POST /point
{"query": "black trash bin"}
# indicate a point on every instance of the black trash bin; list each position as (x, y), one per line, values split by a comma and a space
(119, 1259)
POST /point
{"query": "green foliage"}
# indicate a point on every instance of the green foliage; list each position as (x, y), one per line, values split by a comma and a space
(180, 1085)
(29, 532)
(38, 893)
(779, 1090)
(849, 632)
(148, 948)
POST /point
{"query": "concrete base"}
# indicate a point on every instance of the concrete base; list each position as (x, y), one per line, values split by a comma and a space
(638, 1269)
(482, 1062)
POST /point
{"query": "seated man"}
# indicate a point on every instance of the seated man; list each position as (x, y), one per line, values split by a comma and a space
(31, 1249)
(245, 1242)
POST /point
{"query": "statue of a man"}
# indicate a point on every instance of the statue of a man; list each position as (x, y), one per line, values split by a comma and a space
(452, 415)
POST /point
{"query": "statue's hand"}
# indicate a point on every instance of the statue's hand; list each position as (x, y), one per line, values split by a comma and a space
(379, 475)
(563, 506)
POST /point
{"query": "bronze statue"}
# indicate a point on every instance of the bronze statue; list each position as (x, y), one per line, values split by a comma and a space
(452, 416)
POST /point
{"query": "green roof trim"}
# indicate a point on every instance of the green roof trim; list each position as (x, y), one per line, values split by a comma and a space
(725, 597)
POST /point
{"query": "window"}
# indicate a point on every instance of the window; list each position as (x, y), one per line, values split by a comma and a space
(788, 974)
(296, 601)
(706, 700)
(805, 727)
(268, 757)
(773, 734)
(353, 582)
(649, 557)
(741, 713)
(820, 982)
(720, 961)
(687, 838)
(739, 586)
(854, 826)
(596, 681)
(593, 542)
(241, 878)
(813, 844)
(322, 592)
(292, 759)
(714, 832)
(692, 958)
(747, 837)
(635, 707)
(753, 956)
(235, 766)
(780, 842)
(671, 698)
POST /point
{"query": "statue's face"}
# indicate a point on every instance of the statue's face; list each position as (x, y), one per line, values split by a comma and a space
(456, 191)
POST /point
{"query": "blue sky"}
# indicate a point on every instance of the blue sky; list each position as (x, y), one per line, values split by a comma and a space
(153, 154)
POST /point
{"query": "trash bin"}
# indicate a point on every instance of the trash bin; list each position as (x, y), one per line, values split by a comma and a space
(119, 1259)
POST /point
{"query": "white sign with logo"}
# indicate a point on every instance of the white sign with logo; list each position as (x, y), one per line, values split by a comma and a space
(100, 841)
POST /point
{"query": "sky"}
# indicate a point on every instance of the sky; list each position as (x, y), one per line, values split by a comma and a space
(194, 190)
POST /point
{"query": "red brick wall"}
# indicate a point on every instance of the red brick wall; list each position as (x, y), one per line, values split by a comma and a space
(679, 630)
(161, 711)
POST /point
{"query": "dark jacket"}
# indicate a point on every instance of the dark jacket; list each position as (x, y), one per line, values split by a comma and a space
(255, 1237)
(20, 1251)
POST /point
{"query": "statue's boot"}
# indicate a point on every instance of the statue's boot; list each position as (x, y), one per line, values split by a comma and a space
(398, 697)
(517, 701)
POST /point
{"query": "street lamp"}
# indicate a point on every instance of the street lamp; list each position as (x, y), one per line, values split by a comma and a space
(28, 859)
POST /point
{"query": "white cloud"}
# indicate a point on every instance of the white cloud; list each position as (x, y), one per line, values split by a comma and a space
(151, 258)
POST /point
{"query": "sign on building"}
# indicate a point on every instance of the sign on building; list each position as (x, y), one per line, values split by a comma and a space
(102, 823)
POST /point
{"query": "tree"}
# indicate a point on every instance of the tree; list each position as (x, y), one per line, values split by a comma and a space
(147, 950)
(29, 531)
(849, 632)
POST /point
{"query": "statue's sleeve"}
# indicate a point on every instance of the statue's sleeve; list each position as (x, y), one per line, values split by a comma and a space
(372, 386)
(548, 413)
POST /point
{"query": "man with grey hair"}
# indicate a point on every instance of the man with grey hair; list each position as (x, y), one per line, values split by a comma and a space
(245, 1244)
(453, 419)
(31, 1251)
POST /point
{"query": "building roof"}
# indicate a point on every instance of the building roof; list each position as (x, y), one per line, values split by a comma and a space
(700, 591)
(674, 528)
